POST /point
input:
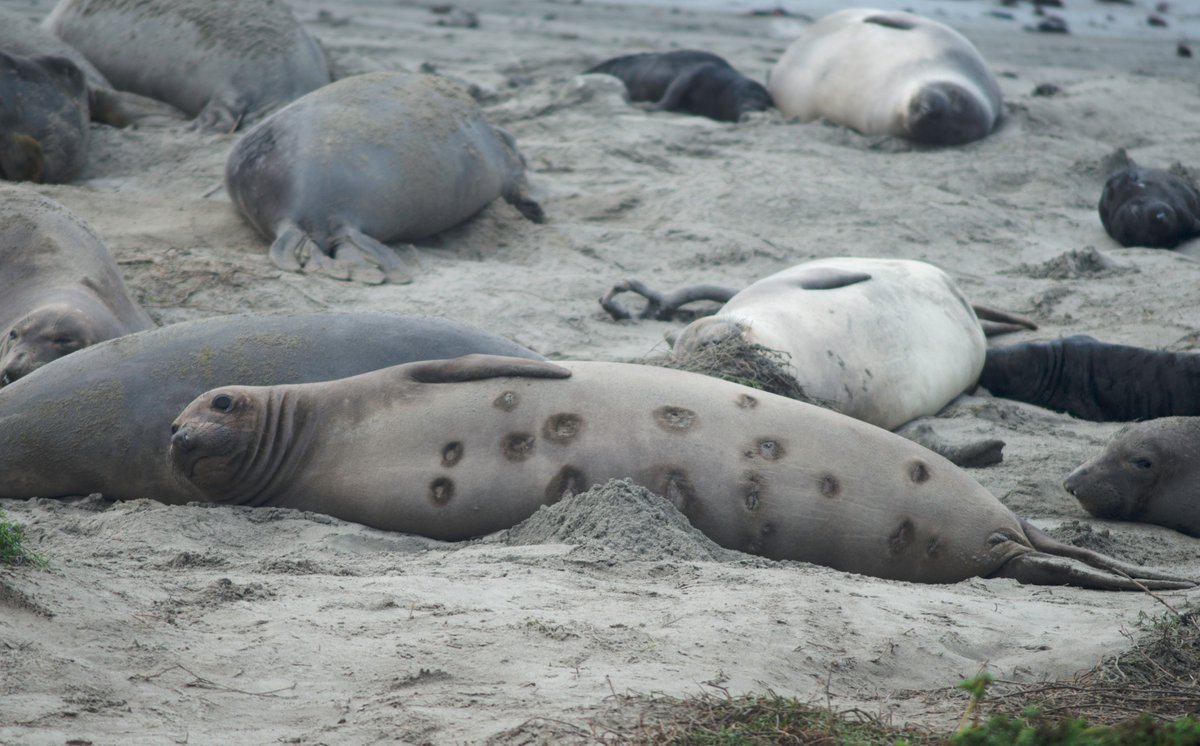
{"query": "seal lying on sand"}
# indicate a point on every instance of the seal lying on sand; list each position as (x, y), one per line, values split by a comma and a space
(690, 81)
(1149, 472)
(217, 60)
(378, 157)
(881, 340)
(458, 448)
(23, 38)
(99, 420)
(44, 117)
(1148, 207)
(888, 73)
(60, 289)
(1095, 380)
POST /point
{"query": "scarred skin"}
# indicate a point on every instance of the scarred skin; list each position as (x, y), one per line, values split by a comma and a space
(458, 448)
(690, 81)
(1095, 380)
(1148, 207)
(99, 420)
(1149, 472)
(60, 288)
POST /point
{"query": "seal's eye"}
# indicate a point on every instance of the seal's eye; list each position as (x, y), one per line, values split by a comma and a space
(222, 402)
(64, 341)
(12, 333)
(1142, 463)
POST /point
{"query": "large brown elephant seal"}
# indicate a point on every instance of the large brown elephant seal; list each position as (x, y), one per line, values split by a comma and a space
(60, 289)
(1149, 472)
(887, 72)
(453, 449)
(379, 157)
(881, 340)
(220, 61)
(44, 119)
(98, 420)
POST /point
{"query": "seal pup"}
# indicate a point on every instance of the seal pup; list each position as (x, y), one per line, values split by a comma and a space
(384, 156)
(98, 420)
(1148, 472)
(453, 449)
(44, 115)
(60, 289)
(1095, 380)
(881, 340)
(688, 81)
(888, 73)
(220, 61)
(1148, 207)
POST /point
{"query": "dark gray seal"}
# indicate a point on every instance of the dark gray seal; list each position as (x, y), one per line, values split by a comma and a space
(689, 81)
(60, 289)
(24, 38)
(220, 61)
(44, 119)
(1148, 207)
(453, 449)
(1148, 472)
(1095, 380)
(99, 420)
(379, 157)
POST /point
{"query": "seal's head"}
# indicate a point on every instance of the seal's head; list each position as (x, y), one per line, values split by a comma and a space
(44, 335)
(947, 114)
(1147, 221)
(1121, 481)
(215, 436)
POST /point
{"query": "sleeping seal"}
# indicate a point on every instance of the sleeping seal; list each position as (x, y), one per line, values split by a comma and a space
(888, 73)
(1095, 380)
(60, 289)
(98, 420)
(44, 115)
(23, 38)
(688, 80)
(1148, 207)
(881, 340)
(1149, 472)
(453, 449)
(384, 156)
(220, 61)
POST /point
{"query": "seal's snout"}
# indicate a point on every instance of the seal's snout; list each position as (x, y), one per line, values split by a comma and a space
(181, 438)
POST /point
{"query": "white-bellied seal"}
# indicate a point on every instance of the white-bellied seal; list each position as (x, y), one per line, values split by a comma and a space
(453, 449)
(881, 340)
(1148, 472)
(1095, 380)
(217, 60)
(44, 119)
(60, 289)
(887, 72)
(1149, 207)
(99, 420)
(385, 156)
(689, 81)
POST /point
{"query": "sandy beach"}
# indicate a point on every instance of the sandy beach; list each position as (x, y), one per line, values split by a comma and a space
(204, 625)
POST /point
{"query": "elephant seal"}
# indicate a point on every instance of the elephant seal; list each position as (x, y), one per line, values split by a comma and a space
(44, 115)
(1095, 380)
(24, 38)
(378, 157)
(60, 289)
(881, 340)
(98, 420)
(453, 449)
(1148, 472)
(1148, 207)
(888, 73)
(220, 61)
(689, 81)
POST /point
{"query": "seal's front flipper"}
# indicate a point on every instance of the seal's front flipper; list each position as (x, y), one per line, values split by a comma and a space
(371, 261)
(21, 158)
(221, 116)
(829, 278)
(292, 249)
(121, 108)
(673, 96)
(1036, 568)
(478, 367)
(517, 195)
(995, 322)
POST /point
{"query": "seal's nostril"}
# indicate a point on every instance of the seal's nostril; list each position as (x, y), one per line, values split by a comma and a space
(174, 428)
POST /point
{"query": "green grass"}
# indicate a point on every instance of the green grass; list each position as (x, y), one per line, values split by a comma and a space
(13, 547)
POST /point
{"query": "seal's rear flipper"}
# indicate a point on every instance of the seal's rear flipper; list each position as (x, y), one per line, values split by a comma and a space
(995, 322)
(479, 367)
(121, 108)
(1036, 568)
(1043, 542)
(21, 158)
(370, 261)
(661, 306)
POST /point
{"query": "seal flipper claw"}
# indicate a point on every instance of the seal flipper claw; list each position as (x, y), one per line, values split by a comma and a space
(21, 158)
(478, 367)
(292, 248)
